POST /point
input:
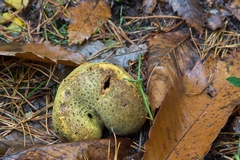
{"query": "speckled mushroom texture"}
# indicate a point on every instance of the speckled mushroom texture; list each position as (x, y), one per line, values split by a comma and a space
(95, 95)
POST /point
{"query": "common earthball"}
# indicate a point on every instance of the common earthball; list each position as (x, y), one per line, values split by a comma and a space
(95, 95)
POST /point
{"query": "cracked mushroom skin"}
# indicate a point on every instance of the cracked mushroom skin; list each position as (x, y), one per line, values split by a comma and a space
(95, 95)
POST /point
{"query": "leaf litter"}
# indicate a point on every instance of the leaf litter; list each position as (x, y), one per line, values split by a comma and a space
(21, 90)
(181, 70)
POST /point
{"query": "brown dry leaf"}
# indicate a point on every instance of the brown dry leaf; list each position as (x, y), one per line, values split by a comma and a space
(44, 52)
(92, 149)
(159, 58)
(86, 18)
(196, 105)
(190, 11)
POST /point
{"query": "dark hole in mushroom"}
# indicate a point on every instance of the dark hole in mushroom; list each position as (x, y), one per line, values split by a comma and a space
(89, 115)
(107, 83)
(124, 104)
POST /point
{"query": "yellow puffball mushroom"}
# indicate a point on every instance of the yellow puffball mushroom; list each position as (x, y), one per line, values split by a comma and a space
(95, 95)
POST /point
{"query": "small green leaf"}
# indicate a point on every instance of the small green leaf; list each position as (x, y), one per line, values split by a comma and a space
(234, 81)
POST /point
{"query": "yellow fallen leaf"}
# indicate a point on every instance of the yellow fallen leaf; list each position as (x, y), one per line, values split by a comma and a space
(4, 17)
(17, 4)
(16, 25)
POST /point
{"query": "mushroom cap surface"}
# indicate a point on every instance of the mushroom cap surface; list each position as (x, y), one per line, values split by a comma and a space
(95, 95)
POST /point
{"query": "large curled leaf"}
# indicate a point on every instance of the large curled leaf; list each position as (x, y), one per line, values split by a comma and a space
(197, 100)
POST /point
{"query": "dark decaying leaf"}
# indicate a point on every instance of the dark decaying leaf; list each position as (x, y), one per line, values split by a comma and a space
(213, 21)
(190, 11)
(44, 52)
(149, 5)
(15, 138)
(235, 12)
(120, 56)
(197, 100)
(86, 18)
(92, 149)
